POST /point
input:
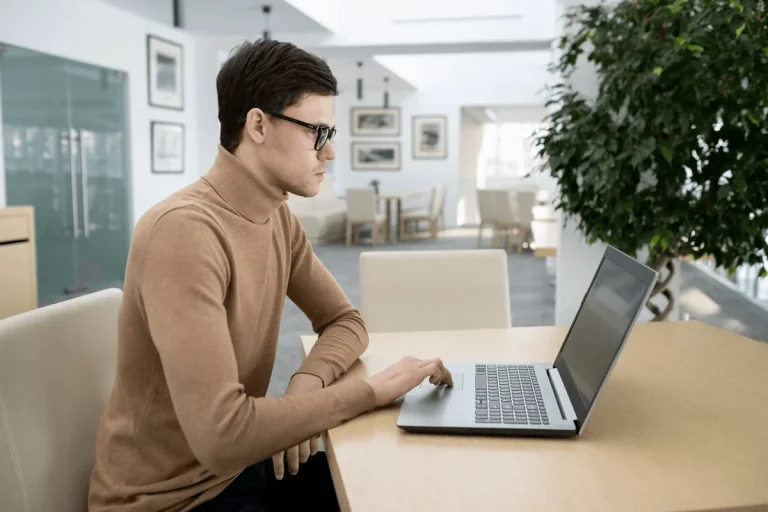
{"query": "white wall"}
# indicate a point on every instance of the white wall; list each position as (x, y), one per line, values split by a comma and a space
(97, 33)
(470, 144)
(414, 175)
(209, 59)
(446, 83)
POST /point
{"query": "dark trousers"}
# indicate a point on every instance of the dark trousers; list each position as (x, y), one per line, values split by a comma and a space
(257, 490)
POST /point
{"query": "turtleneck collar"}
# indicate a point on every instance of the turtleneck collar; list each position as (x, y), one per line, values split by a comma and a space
(243, 189)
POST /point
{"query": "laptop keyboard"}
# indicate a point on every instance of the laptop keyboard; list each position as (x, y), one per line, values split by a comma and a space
(508, 394)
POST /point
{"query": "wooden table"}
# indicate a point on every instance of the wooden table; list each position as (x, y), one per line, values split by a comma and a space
(398, 198)
(681, 425)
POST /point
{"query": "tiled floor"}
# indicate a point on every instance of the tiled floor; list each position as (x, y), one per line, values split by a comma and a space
(532, 292)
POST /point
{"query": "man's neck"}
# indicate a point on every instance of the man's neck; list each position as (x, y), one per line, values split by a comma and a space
(247, 156)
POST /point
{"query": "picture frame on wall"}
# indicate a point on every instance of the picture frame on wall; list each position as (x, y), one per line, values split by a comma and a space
(375, 121)
(165, 73)
(375, 156)
(429, 137)
(167, 147)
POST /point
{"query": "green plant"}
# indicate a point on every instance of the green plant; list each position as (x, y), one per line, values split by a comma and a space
(672, 154)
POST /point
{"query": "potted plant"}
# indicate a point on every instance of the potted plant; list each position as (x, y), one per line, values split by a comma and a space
(672, 154)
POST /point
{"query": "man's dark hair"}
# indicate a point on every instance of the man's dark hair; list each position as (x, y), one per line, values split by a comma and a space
(270, 75)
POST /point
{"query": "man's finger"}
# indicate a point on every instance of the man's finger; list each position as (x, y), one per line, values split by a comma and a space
(438, 373)
(445, 376)
(314, 445)
(432, 371)
(304, 451)
(292, 459)
(278, 465)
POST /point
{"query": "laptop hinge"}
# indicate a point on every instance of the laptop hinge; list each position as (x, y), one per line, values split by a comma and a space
(566, 409)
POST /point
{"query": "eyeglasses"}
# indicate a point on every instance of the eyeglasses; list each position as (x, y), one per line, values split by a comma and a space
(324, 133)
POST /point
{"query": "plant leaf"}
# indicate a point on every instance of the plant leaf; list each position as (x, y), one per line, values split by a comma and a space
(680, 41)
(765, 51)
(763, 273)
(740, 29)
(666, 153)
(695, 48)
(657, 70)
(655, 241)
(664, 244)
(753, 119)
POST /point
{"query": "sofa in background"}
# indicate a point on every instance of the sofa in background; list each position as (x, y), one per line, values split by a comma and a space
(323, 217)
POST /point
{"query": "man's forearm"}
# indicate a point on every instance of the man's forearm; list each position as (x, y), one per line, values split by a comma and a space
(338, 346)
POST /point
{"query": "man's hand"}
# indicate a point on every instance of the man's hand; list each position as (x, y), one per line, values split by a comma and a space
(403, 376)
(292, 457)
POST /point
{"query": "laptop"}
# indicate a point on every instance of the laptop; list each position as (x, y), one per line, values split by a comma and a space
(541, 399)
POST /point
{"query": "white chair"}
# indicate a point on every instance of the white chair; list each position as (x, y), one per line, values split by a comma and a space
(526, 201)
(432, 215)
(57, 368)
(361, 211)
(434, 290)
(323, 216)
(486, 212)
(506, 216)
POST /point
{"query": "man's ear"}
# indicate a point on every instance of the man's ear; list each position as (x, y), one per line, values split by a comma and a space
(256, 125)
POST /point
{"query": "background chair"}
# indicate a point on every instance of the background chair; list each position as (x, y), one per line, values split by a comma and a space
(486, 212)
(526, 200)
(432, 215)
(57, 368)
(322, 216)
(361, 211)
(434, 290)
(506, 216)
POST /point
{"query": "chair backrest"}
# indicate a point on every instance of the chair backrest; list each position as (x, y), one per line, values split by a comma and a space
(434, 290)
(526, 200)
(485, 205)
(57, 368)
(505, 207)
(326, 199)
(361, 204)
(436, 201)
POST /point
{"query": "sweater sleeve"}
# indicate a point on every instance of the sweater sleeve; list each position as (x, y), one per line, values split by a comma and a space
(183, 285)
(342, 334)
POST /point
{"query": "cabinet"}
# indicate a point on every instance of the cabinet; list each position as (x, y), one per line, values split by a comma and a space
(18, 274)
(65, 148)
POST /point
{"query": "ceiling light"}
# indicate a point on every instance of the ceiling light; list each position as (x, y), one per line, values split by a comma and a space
(266, 9)
(360, 80)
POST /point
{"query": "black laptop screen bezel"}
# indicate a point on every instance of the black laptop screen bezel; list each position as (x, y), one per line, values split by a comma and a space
(647, 277)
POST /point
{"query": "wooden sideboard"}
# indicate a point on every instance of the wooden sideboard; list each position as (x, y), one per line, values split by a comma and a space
(18, 261)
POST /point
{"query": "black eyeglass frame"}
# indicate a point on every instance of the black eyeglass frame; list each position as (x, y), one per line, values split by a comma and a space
(330, 132)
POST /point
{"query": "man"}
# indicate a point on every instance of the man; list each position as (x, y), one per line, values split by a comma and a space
(187, 425)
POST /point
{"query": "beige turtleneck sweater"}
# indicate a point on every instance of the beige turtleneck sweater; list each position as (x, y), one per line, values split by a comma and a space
(208, 272)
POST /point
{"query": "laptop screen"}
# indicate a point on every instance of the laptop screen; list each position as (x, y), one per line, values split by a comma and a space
(608, 311)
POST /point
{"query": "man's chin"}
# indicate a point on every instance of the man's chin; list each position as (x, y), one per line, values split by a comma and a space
(306, 191)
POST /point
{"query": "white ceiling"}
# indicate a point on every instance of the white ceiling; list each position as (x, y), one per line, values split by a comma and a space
(506, 114)
(223, 17)
(346, 72)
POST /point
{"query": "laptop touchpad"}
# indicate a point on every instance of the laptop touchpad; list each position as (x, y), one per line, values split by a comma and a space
(458, 382)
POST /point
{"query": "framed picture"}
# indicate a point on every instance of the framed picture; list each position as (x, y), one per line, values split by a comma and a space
(376, 156)
(375, 121)
(165, 70)
(167, 148)
(429, 137)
